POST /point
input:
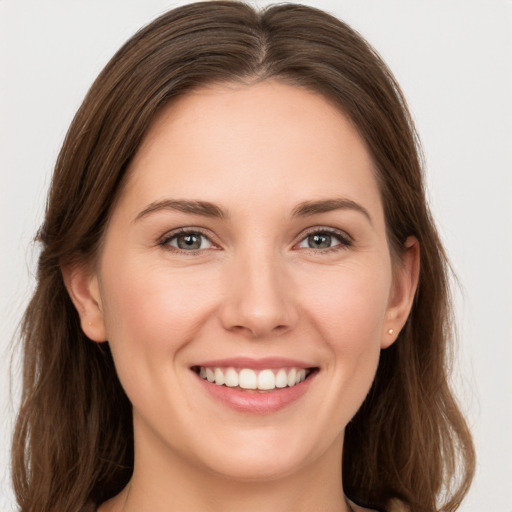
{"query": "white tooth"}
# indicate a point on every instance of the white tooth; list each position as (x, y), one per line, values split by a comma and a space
(219, 377)
(247, 379)
(292, 374)
(231, 378)
(202, 372)
(301, 375)
(281, 379)
(266, 380)
(210, 375)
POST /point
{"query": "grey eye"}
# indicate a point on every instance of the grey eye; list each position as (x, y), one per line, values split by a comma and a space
(190, 242)
(320, 241)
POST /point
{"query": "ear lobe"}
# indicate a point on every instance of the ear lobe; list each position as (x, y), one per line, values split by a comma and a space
(403, 291)
(83, 288)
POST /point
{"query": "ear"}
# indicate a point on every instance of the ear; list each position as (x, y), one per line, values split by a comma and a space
(83, 288)
(402, 294)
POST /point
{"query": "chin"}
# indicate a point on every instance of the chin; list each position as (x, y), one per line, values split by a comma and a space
(259, 456)
(258, 468)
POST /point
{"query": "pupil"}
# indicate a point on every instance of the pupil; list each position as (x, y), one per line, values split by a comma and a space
(189, 242)
(319, 241)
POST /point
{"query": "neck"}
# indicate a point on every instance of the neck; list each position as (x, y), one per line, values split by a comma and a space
(165, 482)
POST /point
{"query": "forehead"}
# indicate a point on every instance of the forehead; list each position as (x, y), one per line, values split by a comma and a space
(251, 141)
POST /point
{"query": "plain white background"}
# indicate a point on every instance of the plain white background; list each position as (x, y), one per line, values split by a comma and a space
(453, 59)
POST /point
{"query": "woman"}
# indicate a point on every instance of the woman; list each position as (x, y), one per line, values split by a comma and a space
(240, 284)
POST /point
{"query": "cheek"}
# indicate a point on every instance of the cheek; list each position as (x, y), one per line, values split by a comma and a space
(151, 313)
(349, 305)
(348, 309)
(152, 306)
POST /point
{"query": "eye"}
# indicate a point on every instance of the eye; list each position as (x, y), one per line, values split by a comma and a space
(325, 239)
(188, 241)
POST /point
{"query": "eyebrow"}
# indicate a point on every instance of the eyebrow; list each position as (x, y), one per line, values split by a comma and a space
(203, 208)
(308, 208)
(207, 209)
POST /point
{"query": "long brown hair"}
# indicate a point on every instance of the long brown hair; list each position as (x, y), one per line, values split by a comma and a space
(73, 442)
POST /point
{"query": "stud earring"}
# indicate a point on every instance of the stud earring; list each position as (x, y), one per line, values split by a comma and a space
(391, 331)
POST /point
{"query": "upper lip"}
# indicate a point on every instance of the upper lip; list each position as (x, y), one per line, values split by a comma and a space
(255, 364)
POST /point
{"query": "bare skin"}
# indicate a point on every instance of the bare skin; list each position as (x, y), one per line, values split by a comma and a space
(257, 271)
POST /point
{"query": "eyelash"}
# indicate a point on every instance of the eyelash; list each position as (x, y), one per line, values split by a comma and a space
(345, 240)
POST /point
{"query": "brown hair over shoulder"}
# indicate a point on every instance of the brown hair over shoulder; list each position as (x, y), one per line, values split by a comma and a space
(73, 441)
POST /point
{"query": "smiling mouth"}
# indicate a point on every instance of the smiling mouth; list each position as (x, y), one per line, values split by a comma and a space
(247, 379)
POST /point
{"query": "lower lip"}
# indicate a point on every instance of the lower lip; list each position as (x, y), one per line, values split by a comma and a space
(257, 402)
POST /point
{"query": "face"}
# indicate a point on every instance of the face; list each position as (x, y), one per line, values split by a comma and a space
(245, 282)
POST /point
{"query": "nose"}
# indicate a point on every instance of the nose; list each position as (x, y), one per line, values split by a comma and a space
(259, 299)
